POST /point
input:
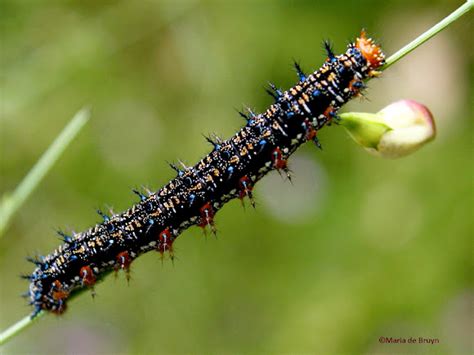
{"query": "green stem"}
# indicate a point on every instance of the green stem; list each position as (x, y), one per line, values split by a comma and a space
(12, 202)
(18, 327)
(466, 7)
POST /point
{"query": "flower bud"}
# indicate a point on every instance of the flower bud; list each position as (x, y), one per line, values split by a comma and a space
(397, 130)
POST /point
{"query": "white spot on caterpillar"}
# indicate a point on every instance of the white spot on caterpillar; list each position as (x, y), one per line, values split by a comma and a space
(306, 108)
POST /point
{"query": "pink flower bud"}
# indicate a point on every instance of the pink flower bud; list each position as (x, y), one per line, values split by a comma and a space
(397, 130)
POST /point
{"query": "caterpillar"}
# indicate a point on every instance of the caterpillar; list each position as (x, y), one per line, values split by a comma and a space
(194, 196)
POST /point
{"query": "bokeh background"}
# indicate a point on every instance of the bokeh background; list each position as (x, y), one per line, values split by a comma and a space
(357, 248)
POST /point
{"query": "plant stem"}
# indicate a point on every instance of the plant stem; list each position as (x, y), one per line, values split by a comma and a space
(18, 327)
(466, 7)
(12, 202)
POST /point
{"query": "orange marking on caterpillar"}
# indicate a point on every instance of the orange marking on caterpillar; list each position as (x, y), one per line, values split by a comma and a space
(87, 275)
(123, 263)
(353, 87)
(277, 160)
(371, 52)
(207, 217)
(310, 130)
(165, 241)
(328, 112)
(60, 295)
(245, 189)
(58, 291)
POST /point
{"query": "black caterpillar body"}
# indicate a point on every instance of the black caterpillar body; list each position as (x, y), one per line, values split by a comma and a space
(194, 196)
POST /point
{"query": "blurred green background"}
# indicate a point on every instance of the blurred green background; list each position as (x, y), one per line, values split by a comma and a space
(356, 249)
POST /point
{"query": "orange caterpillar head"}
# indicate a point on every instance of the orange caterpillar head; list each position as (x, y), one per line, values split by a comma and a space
(371, 52)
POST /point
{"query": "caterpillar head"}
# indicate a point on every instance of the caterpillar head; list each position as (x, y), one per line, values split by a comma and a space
(371, 52)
